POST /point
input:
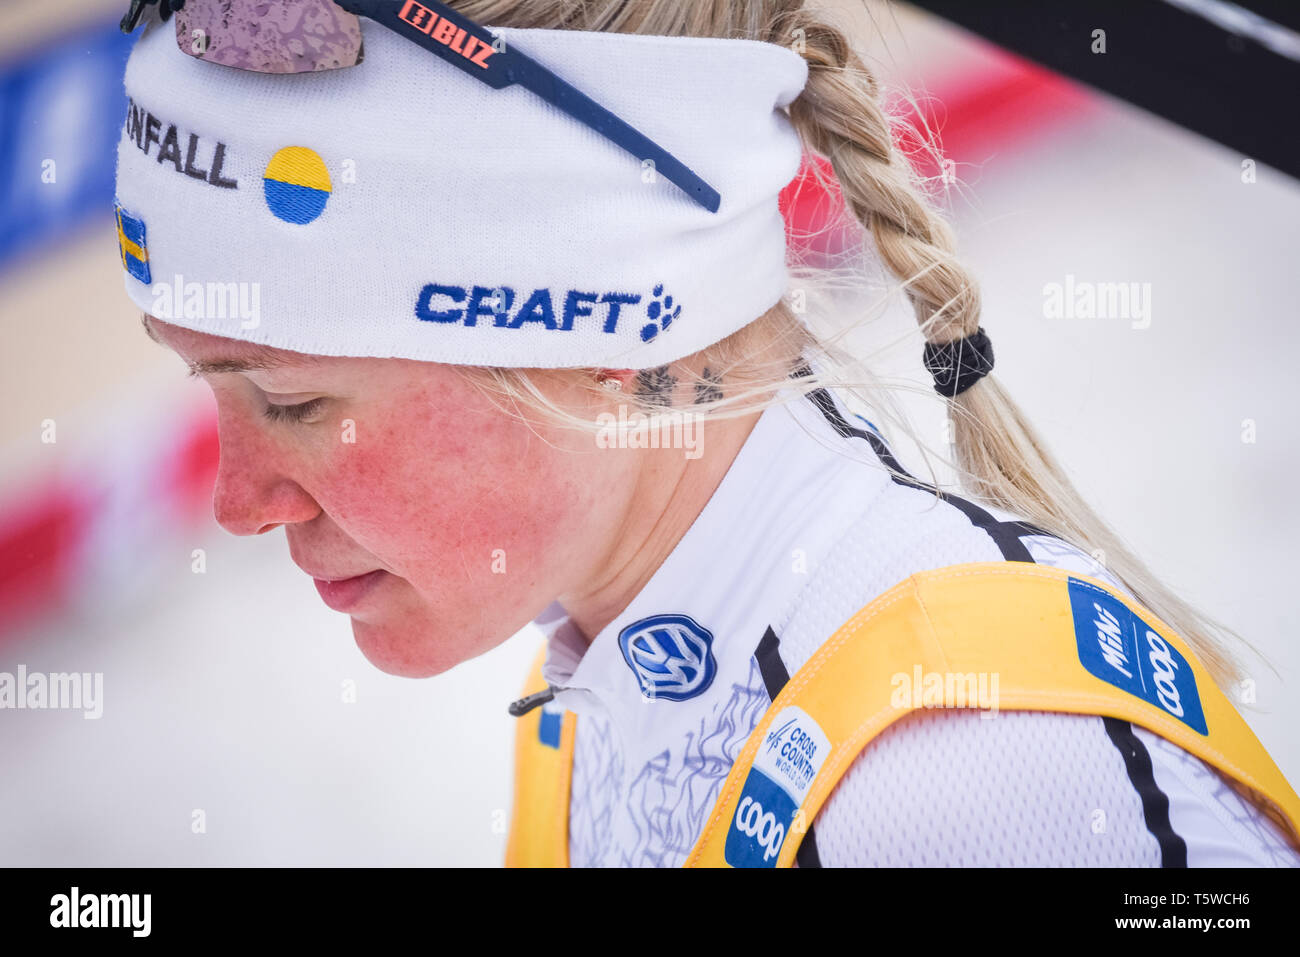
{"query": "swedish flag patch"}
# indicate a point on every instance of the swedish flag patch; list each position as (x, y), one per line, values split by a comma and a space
(131, 242)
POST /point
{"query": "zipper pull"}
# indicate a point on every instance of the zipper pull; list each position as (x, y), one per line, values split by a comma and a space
(524, 705)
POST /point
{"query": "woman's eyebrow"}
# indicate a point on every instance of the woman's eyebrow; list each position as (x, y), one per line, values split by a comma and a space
(258, 359)
(211, 366)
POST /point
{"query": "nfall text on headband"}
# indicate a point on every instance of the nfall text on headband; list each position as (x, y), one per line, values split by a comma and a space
(372, 199)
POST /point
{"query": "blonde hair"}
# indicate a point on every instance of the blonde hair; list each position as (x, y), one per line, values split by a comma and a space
(998, 457)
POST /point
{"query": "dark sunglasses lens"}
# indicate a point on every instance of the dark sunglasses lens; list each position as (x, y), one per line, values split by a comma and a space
(270, 36)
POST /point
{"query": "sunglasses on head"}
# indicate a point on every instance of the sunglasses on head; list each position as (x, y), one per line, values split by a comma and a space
(305, 36)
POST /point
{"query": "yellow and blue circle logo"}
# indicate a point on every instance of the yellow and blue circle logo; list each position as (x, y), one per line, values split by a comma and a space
(297, 184)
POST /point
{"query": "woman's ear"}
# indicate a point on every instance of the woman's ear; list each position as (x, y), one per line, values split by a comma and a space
(615, 380)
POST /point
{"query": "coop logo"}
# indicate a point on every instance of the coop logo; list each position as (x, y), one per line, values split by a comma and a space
(1118, 647)
(447, 33)
(784, 769)
(1165, 672)
(762, 827)
(671, 656)
(501, 307)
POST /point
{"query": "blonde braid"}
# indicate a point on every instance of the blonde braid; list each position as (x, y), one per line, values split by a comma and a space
(999, 457)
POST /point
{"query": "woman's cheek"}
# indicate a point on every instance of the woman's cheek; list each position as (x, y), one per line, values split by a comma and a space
(437, 505)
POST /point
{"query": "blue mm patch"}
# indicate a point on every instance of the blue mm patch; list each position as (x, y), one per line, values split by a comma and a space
(1121, 649)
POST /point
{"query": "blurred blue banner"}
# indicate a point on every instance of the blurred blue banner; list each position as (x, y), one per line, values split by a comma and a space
(61, 110)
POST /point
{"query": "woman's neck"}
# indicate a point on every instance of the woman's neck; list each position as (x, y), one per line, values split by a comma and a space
(672, 490)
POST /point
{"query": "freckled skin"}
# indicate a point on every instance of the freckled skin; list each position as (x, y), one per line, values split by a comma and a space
(437, 480)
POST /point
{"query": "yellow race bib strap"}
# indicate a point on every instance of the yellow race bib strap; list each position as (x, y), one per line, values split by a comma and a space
(998, 636)
(539, 826)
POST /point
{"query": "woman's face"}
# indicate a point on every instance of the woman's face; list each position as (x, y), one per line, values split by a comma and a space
(439, 523)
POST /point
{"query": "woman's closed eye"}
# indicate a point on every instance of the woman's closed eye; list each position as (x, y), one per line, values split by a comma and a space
(303, 412)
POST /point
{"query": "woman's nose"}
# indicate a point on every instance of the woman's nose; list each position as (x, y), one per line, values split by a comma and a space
(255, 491)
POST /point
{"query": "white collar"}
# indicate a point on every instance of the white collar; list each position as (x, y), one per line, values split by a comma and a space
(785, 500)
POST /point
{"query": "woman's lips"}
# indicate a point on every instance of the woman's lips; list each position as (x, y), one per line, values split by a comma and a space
(345, 593)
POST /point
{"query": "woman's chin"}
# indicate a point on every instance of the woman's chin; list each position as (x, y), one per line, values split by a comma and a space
(406, 653)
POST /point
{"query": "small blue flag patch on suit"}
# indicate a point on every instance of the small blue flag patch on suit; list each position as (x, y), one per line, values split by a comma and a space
(548, 730)
(131, 244)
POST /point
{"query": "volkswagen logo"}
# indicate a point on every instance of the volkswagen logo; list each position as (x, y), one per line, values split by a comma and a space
(671, 656)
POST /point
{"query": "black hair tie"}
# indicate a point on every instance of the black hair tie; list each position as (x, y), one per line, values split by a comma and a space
(958, 365)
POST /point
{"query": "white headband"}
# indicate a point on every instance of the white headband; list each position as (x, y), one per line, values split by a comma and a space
(432, 201)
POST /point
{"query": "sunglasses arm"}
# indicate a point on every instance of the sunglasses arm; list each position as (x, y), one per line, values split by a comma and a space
(480, 53)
